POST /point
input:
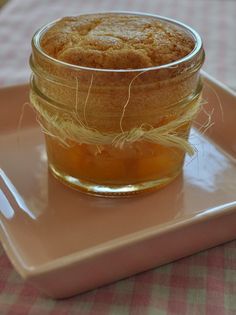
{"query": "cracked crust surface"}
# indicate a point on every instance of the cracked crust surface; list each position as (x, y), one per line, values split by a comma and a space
(115, 41)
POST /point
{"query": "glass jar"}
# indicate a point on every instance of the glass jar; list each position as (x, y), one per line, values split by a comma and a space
(116, 132)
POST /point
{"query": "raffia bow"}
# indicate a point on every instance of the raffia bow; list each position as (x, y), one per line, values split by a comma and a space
(67, 129)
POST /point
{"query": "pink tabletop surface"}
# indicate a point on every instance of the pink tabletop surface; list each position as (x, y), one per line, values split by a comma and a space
(204, 283)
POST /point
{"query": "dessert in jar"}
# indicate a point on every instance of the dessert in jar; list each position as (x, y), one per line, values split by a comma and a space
(115, 94)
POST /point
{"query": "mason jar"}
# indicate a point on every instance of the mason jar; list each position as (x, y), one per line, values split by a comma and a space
(116, 132)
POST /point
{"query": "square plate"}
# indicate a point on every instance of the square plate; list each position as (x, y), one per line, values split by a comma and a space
(66, 242)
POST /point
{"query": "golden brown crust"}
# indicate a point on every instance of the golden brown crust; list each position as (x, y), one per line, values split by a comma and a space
(115, 41)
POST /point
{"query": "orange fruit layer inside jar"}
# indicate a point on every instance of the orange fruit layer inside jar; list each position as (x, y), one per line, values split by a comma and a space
(105, 164)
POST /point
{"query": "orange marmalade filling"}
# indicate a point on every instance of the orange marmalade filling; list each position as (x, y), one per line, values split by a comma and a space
(118, 41)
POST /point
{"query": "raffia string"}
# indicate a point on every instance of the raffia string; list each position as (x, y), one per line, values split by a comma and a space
(67, 128)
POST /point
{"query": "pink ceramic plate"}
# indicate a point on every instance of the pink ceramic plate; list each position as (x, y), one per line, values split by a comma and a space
(66, 242)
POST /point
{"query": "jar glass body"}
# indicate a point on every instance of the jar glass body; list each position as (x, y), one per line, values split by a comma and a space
(98, 124)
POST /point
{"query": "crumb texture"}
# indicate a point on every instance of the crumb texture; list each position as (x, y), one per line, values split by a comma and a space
(115, 41)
